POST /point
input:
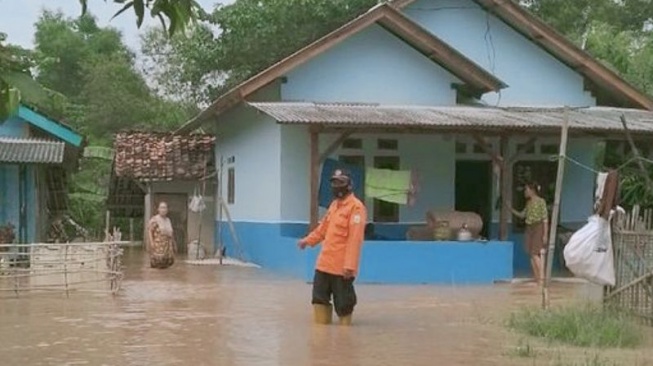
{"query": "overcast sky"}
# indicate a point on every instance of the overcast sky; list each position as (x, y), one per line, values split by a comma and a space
(17, 17)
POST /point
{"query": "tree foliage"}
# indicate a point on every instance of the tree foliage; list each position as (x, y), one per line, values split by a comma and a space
(99, 92)
(15, 75)
(16, 79)
(175, 15)
(253, 34)
(92, 67)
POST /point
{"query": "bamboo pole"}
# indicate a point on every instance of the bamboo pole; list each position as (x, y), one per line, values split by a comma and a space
(218, 202)
(548, 256)
(638, 156)
(504, 181)
(107, 225)
(131, 229)
(314, 177)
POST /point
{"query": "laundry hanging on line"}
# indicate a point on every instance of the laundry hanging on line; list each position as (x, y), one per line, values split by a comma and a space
(395, 186)
(357, 175)
(607, 193)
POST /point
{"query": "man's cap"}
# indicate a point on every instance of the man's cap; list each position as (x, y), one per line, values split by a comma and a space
(340, 176)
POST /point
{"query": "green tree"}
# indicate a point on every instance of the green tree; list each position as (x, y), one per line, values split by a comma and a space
(16, 79)
(104, 93)
(92, 67)
(174, 15)
(253, 35)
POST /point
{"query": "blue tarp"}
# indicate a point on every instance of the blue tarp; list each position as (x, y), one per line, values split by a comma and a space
(356, 173)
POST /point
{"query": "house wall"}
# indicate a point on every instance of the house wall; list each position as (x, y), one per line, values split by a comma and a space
(434, 159)
(372, 66)
(9, 186)
(272, 161)
(534, 77)
(250, 142)
(430, 155)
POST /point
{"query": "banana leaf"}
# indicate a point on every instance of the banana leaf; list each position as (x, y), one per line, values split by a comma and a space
(88, 197)
(98, 152)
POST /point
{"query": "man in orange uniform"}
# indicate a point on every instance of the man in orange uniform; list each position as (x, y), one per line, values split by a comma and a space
(341, 232)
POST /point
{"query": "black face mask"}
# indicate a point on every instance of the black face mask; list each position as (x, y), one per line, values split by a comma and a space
(339, 192)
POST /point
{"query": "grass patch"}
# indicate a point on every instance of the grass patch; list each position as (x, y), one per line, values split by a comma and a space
(595, 360)
(583, 326)
(523, 350)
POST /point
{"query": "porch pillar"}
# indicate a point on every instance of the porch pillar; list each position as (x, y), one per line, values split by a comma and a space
(314, 176)
(506, 192)
(148, 214)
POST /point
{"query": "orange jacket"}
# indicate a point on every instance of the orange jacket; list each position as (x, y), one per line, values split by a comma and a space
(341, 232)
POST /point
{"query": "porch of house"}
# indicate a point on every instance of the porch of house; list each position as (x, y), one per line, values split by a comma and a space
(505, 140)
(149, 168)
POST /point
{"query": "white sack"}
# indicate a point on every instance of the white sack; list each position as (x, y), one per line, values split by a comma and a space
(589, 252)
(197, 203)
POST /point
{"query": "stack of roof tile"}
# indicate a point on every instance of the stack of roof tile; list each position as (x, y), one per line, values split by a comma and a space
(146, 156)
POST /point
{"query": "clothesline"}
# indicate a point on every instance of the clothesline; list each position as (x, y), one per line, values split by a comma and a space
(590, 169)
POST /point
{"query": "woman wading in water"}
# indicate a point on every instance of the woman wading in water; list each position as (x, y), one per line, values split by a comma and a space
(537, 223)
(161, 244)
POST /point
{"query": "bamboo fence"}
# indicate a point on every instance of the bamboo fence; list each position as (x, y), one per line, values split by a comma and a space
(61, 267)
(633, 261)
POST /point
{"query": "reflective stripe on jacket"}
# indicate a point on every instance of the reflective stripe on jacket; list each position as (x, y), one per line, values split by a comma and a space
(341, 231)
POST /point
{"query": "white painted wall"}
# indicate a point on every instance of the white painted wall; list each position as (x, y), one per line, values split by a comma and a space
(534, 77)
(254, 141)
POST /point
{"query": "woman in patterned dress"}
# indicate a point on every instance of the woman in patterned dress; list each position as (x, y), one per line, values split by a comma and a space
(161, 246)
(537, 223)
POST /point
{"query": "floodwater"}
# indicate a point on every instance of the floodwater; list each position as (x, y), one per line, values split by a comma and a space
(213, 315)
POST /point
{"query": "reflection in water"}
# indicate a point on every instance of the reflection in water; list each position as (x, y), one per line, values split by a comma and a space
(210, 315)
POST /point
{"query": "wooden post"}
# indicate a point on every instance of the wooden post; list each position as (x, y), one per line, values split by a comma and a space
(637, 155)
(107, 226)
(219, 207)
(147, 213)
(131, 229)
(504, 181)
(548, 256)
(314, 177)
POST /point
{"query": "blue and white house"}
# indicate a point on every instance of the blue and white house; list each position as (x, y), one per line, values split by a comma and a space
(468, 93)
(37, 154)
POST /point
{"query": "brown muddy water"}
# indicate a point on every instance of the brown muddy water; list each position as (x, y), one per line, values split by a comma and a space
(211, 315)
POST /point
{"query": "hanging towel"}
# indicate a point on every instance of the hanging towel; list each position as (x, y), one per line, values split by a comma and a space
(388, 185)
(414, 188)
(600, 185)
(357, 175)
(610, 195)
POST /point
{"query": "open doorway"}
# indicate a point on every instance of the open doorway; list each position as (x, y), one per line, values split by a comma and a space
(474, 190)
(178, 214)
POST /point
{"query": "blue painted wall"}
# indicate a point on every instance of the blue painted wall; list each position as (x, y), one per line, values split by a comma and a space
(9, 184)
(253, 140)
(375, 67)
(431, 156)
(274, 246)
(372, 66)
(534, 77)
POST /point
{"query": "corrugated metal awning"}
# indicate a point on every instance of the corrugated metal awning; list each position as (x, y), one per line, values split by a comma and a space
(30, 151)
(594, 119)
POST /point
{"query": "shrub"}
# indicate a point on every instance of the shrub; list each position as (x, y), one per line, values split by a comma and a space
(584, 326)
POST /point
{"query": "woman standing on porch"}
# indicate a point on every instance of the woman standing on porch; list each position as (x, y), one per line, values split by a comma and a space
(537, 222)
(161, 245)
